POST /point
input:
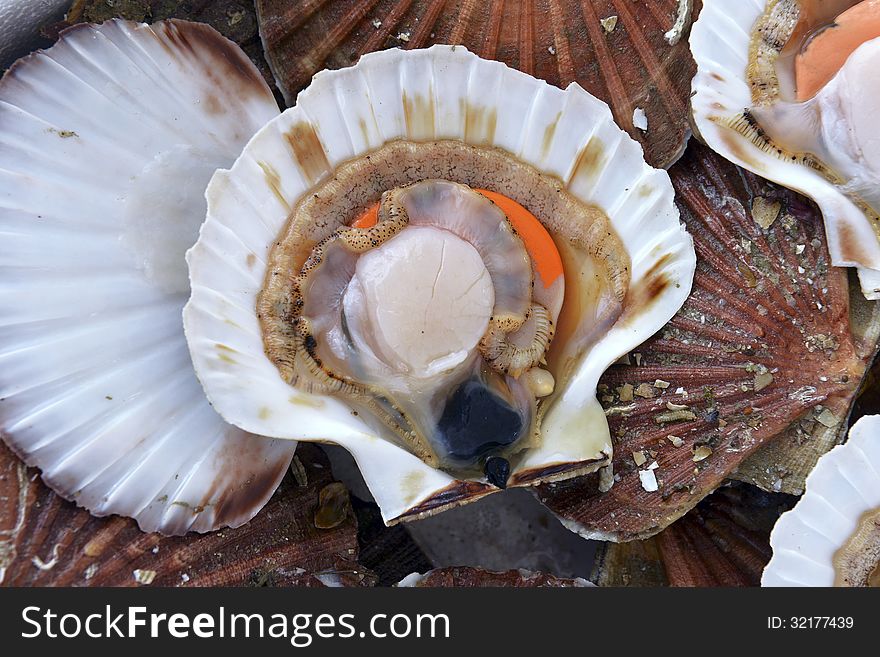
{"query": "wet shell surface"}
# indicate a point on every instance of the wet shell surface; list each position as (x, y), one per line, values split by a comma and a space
(632, 55)
(724, 541)
(107, 141)
(767, 338)
(747, 130)
(832, 536)
(46, 541)
(447, 99)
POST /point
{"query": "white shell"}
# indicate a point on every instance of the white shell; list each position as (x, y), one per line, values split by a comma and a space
(720, 45)
(844, 485)
(107, 142)
(354, 111)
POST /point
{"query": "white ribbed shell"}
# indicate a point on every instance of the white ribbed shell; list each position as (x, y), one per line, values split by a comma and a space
(844, 485)
(107, 141)
(354, 111)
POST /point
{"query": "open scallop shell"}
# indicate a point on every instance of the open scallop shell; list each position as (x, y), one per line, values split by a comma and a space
(844, 486)
(442, 92)
(107, 141)
(720, 42)
(633, 55)
(767, 338)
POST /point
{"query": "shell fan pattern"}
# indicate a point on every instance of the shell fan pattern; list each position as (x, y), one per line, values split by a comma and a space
(107, 141)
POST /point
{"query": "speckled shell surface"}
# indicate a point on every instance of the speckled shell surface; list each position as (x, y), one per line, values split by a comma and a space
(424, 95)
(632, 55)
(107, 141)
(720, 41)
(752, 311)
(844, 485)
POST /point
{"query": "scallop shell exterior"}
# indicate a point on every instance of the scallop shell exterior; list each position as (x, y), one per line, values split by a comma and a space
(720, 46)
(844, 485)
(724, 541)
(751, 309)
(424, 94)
(631, 55)
(476, 577)
(235, 20)
(46, 541)
(105, 139)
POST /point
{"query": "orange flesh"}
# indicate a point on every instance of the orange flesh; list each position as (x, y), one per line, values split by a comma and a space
(826, 52)
(537, 240)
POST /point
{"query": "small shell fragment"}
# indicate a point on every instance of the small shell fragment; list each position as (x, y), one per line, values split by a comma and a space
(765, 212)
(144, 577)
(639, 458)
(702, 452)
(625, 392)
(606, 478)
(334, 506)
(649, 480)
(609, 23)
(762, 380)
(828, 419)
(645, 390)
(676, 441)
(640, 119)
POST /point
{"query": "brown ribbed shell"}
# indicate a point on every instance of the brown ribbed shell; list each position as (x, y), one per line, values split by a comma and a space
(476, 577)
(629, 65)
(725, 541)
(758, 308)
(46, 541)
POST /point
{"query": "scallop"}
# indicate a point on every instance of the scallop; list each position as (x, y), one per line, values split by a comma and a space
(832, 536)
(786, 89)
(430, 260)
(107, 142)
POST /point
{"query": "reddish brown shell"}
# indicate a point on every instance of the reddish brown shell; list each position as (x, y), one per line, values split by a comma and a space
(763, 339)
(46, 541)
(724, 541)
(626, 61)
(475, 577)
